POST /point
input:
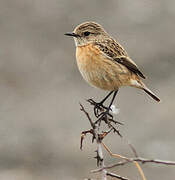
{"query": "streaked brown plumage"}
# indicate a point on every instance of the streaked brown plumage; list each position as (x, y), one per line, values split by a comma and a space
(103, 62)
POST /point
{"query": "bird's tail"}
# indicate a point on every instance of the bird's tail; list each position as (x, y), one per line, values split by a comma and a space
(149, 92)
(139, 84)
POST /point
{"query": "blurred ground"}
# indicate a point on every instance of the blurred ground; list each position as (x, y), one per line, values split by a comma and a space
(40, 87)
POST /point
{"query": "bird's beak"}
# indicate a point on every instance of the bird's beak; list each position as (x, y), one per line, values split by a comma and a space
(72, 34)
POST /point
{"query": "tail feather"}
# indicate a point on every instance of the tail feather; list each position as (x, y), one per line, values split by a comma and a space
(139, 84)
(149, 92)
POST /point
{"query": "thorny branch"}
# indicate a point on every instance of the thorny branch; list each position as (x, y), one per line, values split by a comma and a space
(98, 135)
(116, 176)
(139, 159)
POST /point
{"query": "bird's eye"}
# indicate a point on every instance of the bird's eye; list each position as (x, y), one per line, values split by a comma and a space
(86, 33)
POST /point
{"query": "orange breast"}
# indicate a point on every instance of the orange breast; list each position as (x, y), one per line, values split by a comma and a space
(99, 70)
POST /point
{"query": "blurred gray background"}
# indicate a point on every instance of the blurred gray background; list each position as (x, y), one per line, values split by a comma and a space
(40, 87)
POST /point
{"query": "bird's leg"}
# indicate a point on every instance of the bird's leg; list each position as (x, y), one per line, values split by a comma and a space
(99, 106)
(103, 115)
(106, 98)
(115, 93)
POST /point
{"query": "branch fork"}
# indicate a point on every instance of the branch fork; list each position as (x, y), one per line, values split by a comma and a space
(98, 136)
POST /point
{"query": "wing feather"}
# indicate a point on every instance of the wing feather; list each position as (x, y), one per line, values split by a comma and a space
(116, 52)
(130, 65)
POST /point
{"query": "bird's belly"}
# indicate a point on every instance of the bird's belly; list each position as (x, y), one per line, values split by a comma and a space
(98, 71)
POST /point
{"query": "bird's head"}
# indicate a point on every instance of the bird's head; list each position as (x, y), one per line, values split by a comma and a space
(87, 32)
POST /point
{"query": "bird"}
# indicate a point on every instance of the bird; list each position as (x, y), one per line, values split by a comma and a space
(104, 63)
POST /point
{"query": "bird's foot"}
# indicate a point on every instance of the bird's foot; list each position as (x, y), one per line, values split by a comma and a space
(99, 108)
(108, 119)
(105, 116)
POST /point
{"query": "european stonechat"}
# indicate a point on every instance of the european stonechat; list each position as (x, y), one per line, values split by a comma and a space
(103, 62)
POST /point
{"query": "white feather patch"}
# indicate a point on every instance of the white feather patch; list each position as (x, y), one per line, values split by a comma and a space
(114, 110)
(135, 83)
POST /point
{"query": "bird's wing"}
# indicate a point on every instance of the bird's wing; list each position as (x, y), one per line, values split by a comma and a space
(116, 52)
(130, 65)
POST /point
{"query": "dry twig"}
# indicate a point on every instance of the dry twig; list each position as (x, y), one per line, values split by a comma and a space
(129, 160)
(99, 135)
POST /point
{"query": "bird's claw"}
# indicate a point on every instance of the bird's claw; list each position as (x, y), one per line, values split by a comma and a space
(98, 107)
